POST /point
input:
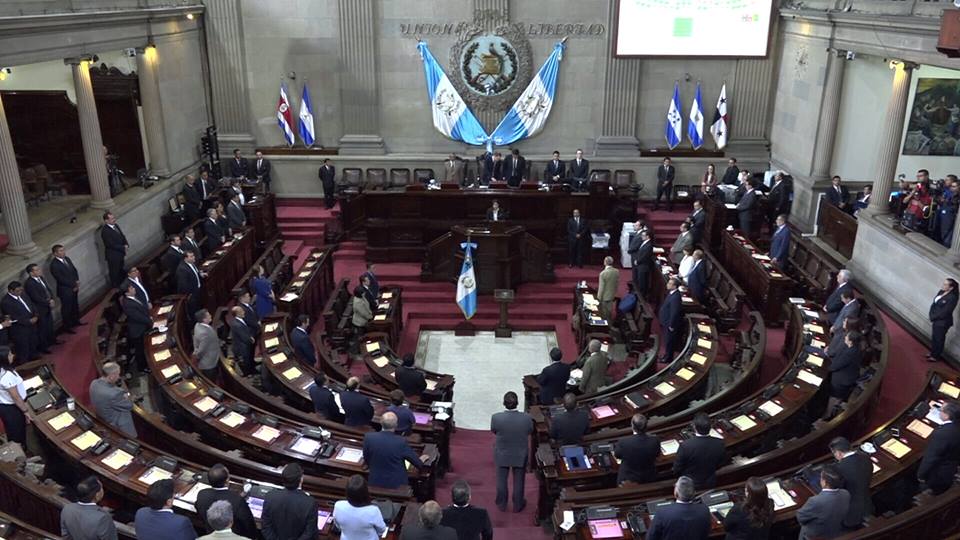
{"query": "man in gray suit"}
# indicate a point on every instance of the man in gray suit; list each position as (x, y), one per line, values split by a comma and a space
(453, 170)
(851, 308)
(111, 401)
(594, 369)
(822, 515)
(84, 520)
(236, 218)
(513, 429)
(206, 345)
(684, 239)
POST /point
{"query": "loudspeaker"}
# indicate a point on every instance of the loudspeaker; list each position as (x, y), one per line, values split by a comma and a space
(949, 42)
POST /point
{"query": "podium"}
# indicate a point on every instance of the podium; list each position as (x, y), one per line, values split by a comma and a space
(505, 257)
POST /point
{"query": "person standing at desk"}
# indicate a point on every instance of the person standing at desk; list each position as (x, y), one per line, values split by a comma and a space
(239, 167)
(356, 407)
(609, 283)
(510, 451)
(215, 235)
(571, 425)
(243, 341)
(206, 345)
(470, 522)
(23, 331)
(671, 318)
(453, 170)
(745, 208)
(780, 243)
(822, 515)
(139, 322)
(41, 297)
(939, 464)
(158, 520)
(189, 281)
(778, 199)
(594, 369)
(696, 277)
(111, 401)
(13, 409)
(698, 220)
(851, 308)
(638, 453)
(578, 236)
(371, 274)
(289, 513)
(834, 304)
(856, 469)
(302, 345)
(682, 520)
(243, 522)
(85, 519)
(236, 218)
(579, 171)
(411, 380)
(495, 213)
(114, 247)
(261, 170)
(665, 175)
(941, 317)
(752, 518)
(324, 400)
(553, 378)
(641, 254)
(700, 456)
(328, 177)
(515, 168)
(683, 241)
(405, 417)
(68, 286)
(265, 300)
(496, 171)
(555, 171)
(219, 518)
(386, 455)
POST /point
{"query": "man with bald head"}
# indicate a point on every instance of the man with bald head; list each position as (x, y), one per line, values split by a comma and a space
(386, 455)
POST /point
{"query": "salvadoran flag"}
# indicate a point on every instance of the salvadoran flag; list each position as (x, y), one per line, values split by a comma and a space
(284, 117)
(673, 129)
(695, 127)
(721, 123)
(450, 114)
(467, 284)
(529, 114)
(306, 118)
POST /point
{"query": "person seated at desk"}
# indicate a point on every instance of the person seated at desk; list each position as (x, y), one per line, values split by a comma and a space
(822, 515)
(470, 522)
(356, 407)
(751, 518)
(242, 521)
(386, 455)
(856, 469)
(700, 456)
(219, 518)
(495, 213)
(111, 401)
(357, 517)
(158, 519)
(554, 172)
(289, 513)
(780, 244)
(428, 525)
(324, 400)
(637, 453)
(553, 378)
(302, 345)
(594, 368)
(405, 417)
(572, 424)
(411, 380)
(939, 464)
(682, 520)
(85, 519)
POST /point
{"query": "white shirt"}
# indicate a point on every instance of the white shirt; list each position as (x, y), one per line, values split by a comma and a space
(939, 296)
(19, 299)
(195, 273)
(686, 266)
(11, 379)
(136, 281)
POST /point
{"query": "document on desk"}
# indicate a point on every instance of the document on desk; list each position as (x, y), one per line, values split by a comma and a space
(170, 371)
(205, 404)
(349, 455)
(154, 474)
(306, 446)
(781, 499)
(576, 374)
(33, 382)
(87, 439)
(685, 374)
(809, 378)
(386, 295)
(289, 297)
(743, 422)
(895, 448)
(158, 339)
(605, 528)
(817, 343)
(730, 206)
(381, 361)
(163, 310)
(61, 421)
(232, 419)
(760, 257)
(278, 358)
(704, 343)
(309, 264)
(297, 284)
(669, 446)
(380, 318)
(431, 384)
(191, 495)
(698, 358)
(117, 459)
(160, 356)
(771, 408)
(949, 389)
(603, 411)
(266, 433)
(568, 520)
(933, 414)
(811, 314)
(920, 427)
(292, 373)
(814, 360)
(272, 327)
(704, 329)
(664, 388)
(816, 329)
(372, 346)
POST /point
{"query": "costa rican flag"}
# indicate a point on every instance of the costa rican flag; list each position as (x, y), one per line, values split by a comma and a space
(284, 117)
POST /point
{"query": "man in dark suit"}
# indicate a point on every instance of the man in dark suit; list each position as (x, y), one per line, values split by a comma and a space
(243, 341)
(23, 331)
(470, 522)
(745, 209)
(939, 463)
(555, 171)
(512, 429)
(114, 247)
(682, 520)
(496, 168)
(428, 525)
(671, 318)
(218, 478)
(289, 513)
(778, 199)
(578, 236)
(194, 193)
(261, 170)
(485, 167)
(641, 254)
(300, 337)
(236, 218)
(698, 220)
(697, 278)
(410, 379)
(190, 243)
(214, 235)
(514, 168)
(941, 317)
(834, 303)
(133, 278)
(85, 519)
(572, 424)
(386, 455)
(780, 243)
(249, 313)
(371, 275)
(700, 456)
(139, 323)
(357, 409)
(732, 173)
(579, 171)
(328, 177)
(553, 378)
(172, 258)
(856, 470)
(822, 515)
(850, 309)
(68, 287)
(495, 213)
(637, 453)
(158, 519)
(367, 285)
(838, 195)
(324, 400)
(665, 175)
(189, 281)
(41, 297)
(239, 168)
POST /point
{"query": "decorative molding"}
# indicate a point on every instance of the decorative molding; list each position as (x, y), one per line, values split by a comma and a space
(518, 68)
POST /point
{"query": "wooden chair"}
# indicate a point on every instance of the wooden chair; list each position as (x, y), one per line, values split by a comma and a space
(376, 179)
(399, 179)
(423, 175)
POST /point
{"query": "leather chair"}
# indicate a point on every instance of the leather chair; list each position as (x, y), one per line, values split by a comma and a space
(423, 175)
(34, 189)
(600, 175)
(351, 181)
(399, 179)
(623, 184)
(377, 179)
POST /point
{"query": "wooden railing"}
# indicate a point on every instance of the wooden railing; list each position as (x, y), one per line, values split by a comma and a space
(836, 228)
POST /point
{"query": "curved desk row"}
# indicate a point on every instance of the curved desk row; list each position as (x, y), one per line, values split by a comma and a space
(382, 364)
(309, 289)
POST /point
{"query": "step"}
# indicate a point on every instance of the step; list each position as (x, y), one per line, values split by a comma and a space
(428, 297)
(493, 314)
(290, 247)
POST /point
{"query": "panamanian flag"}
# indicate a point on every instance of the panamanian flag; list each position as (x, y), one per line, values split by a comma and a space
(467, 284)
(721, 122)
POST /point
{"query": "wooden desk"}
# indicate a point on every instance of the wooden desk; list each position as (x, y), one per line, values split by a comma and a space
(382, 364)
(586, 316)
(767, 288)
(261, 211)
(837, 228)
(225, 267)
(814, 271)
(309, 289)
(278, 268)
(388, 317)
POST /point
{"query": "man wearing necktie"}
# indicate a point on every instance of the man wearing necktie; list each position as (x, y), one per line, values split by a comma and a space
(838, 195)
(328, 176)
(641, 256)
(239, 168)
(780, 244)
(243, 340)
(68, 286)
(261, 168)
(41, 297)
(236, 218)
(23, 331)
(577, 237)
(579, 171)
(133, 278)
(139, 323)
(189, 282)
(556, 170)
(114, 247)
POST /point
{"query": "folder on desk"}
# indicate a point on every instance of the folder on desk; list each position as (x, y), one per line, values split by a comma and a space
(431, 384)
(349, 455)
(380, 317)
(816, 329)
(817, 343)
(575, 458)
(669, 446)
(949, 389)
(811, 314)
(605, 528)
(637, 400)
(704, 328)
(814, 360)
(387, 294)
(278, 358)
(163, 310)
(232, 419)
(771, 408)
(372, 346)
(266, 433)
(603, 411)
(704, 343)
(205, 404)
(422, 417)
(781, 499)
(685, 374)
(271, 343)
(158, 340)
(292, 373)
(920, 427)
(304, 273)
(309, 264)
(743, 422)
(297, 284)
(154, 474)
(289, 297)
(809, 378)
(117, 459)
(698, 358)
(61, 421)
(306, 446)
(87, 439)
(160, 356)
(664, 388)
(896, 448)
(381, 361)
(272, 327)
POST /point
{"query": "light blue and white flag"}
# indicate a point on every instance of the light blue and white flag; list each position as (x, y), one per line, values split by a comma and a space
(450, 114)
(695, 127)
(673, 130)
(467, 284)
(306, 118)
(529, 114)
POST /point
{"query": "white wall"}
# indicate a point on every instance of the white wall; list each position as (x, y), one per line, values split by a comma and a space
(939, 166)
(867, 85)
(55, 75)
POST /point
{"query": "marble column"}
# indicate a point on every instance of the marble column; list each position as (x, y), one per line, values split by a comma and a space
(359, 81)
(228, 74)
(152, 111)
(90, 134)
(618, 131)
(954, 241)
(12, 203)
(829, 114)
(749, 105)
(891, 134)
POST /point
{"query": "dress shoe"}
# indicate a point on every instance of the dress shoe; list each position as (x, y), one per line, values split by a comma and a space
(502, 508)
(521, 507)
(932, 359)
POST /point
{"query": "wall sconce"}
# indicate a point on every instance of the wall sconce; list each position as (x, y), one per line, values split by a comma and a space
(4, 73)
(190, 16)
(894, 64)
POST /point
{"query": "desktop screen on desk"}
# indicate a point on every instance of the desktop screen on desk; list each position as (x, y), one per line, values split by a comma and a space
(256, 507)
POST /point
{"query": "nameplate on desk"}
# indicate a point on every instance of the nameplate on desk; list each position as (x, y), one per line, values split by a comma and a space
(381, 361)
(379, 317)
(87, 439)
(949, 389)
(685, 374)
(704, 343)
(771, 408)
(272, 327)
(117, 459)
(814, 360)
(386, 295)
(920, 427)
(266, 433)
(431, 384)
(271, 343)
(669, 446)
(665, 388)
(698, 358)
(277, 358)
(743, 422)
(895, 448)
(154, 474)
(170, 371)
(61, 421)
(232, 419)
(158, 340)
(292, 373)
(205, 404)
(289, 297)
(809, 378)
(163, 310)
(349, 455)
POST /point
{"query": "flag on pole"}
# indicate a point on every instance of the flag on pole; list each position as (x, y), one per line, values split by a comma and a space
(529, 114)
(673, 129)
(695, 127)
(306, 118)
(467, 284)
(450, 114)
(721, 123)
(284, 118)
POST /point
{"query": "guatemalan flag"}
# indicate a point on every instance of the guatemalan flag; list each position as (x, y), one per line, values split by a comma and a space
(695, 127)
(284, 117)
(529, 114)
(450, 114)
(467, 284)
(306, 118)
(673, 129)
(721, 123)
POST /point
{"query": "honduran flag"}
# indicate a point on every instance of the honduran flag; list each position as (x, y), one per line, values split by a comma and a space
(284, 117)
